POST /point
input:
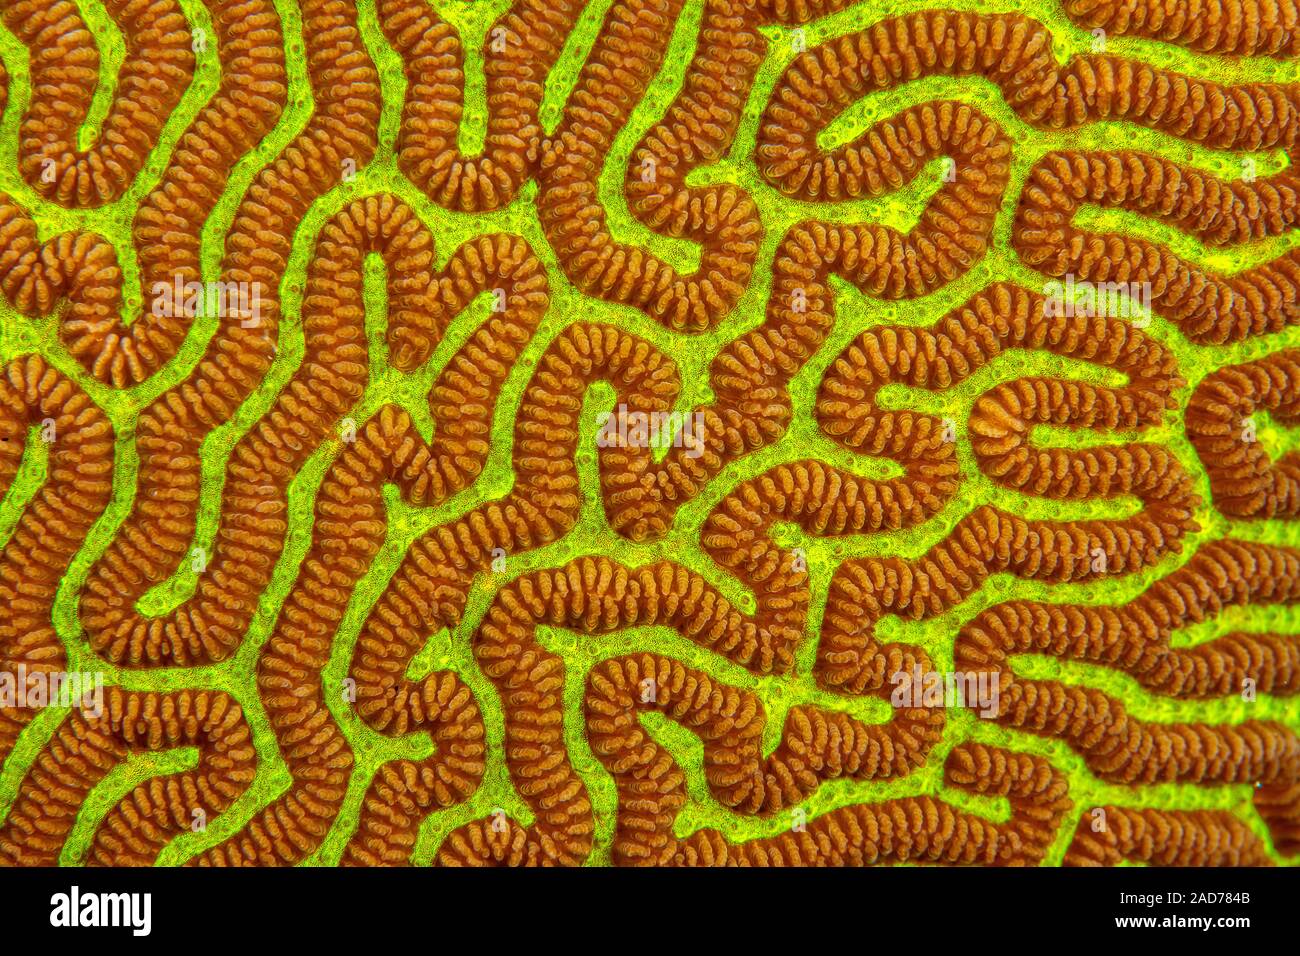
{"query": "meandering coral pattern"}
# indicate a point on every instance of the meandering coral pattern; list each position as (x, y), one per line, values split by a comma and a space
(311, 313)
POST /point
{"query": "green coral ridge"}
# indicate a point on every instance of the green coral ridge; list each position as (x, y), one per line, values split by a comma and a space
(592, 536)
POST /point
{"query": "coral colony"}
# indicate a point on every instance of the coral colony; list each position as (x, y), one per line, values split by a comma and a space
(901, 398)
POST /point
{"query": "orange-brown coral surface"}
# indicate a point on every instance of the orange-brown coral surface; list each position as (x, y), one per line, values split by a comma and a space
(747, 405)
